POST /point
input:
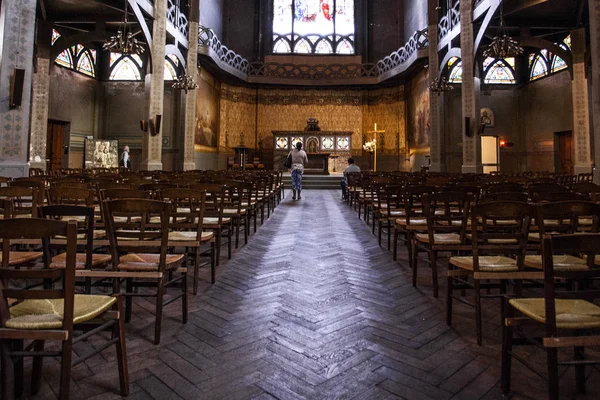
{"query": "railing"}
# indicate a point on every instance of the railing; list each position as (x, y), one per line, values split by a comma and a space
(244, 68)
(176, 17)
(449, 21)
(313, 44)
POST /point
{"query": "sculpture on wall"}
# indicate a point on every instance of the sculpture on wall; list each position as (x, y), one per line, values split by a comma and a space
(312, 125)
(487, 117)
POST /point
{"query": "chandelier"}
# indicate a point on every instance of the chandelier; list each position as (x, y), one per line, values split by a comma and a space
(502, 44)
(440, 85)
(124, 42)
(185, 83)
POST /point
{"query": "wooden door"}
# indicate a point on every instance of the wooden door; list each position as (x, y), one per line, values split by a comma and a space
(564, 141)
(54, 145)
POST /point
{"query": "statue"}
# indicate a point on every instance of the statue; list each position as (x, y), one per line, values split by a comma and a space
(312, 125)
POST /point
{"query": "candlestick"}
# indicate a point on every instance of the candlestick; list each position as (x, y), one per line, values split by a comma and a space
(375, 126)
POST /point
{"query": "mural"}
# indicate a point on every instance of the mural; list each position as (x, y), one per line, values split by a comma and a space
(418, 112)
(207, 113)
(101, 153)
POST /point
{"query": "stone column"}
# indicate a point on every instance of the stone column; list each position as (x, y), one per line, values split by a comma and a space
(155, 88)
(581, 114)
(435, 101)
(594, 7)
(17, 33)
(40, 98)
(470, 93)
(190, 97)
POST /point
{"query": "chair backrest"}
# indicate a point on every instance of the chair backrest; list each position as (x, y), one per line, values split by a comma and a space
(556, 196)
(136, 234)
(24, 199)
(546, 188)
(586, 244)
(413, 200)
(14, 229)
(505, 196)
(500, 227)
(215, 199)
(187, 208)
(564, 216)
(85, 227)
(71, 195)
(505, 187)
(446, 212)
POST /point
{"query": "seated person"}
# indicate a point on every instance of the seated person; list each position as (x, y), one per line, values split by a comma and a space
(350, 168)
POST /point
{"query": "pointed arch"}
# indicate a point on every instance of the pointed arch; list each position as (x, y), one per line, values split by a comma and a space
(65, 59)
(85, 64)
(125, 69)
(170, 73)
(455, 70)
(500, 72)
(538, 67)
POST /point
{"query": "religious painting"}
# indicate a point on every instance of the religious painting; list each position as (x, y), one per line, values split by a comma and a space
(418, 112)
(101, 153)
(207, 113)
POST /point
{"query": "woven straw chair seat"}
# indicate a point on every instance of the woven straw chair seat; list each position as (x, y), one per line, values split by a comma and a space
(60, 261)
(148, 262)
(487, 263)
(189, 236)
(234, 211)
(439, 238)
(413, 221)
(560, 263)
(48, 314)
(99, 234)
(213, 221)
(570, 314)
(22, 257)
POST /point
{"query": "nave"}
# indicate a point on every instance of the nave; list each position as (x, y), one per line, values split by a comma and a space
(312, 308)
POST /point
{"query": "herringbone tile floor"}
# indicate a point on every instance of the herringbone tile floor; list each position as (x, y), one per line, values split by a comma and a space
(311, 308)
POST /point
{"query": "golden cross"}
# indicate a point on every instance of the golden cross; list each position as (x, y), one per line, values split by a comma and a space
(375, 132)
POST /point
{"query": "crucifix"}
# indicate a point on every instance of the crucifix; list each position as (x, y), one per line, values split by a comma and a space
(375, 132)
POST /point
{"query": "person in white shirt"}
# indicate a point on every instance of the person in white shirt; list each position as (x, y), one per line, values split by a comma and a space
(125, 159)
(350, 168)
(299, 160)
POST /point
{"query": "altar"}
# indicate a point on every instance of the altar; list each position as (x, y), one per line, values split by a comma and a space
(323, 148)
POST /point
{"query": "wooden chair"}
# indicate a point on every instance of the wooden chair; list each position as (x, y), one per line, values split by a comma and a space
(15, 258)
(447, 214)
(505, 196)
(51, 314)
(505, 187)
(388, 207)
(499, 231)
(186, 227)
(568, 316)
(236, 207)
(139, 255)
(24, 200)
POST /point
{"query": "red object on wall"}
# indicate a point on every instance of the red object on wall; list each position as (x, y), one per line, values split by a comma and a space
(325, 8)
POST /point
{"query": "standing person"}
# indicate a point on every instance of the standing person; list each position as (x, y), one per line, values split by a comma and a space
(125, 159)
(299, 160)
(350, 168)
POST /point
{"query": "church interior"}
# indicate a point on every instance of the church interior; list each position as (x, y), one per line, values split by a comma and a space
(300, 199)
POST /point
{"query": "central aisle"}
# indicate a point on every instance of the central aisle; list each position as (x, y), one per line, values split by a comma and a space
(313, 308)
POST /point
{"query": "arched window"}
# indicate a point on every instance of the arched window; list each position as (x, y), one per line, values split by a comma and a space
(125, 67)
(538, 66)
(77, 58)
(499, 71)
(310, 21)
(455, 70)
(170, 73)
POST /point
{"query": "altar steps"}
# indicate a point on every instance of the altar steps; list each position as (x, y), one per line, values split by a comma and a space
(315, 182)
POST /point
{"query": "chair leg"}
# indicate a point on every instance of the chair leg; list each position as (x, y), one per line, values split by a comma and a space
(478, 321)
(159, 307)
(552, 354)
(246, 229)
(7, 371)
(36, 371)
(379, 230)
(395, 248)
(449, 290)
(389, 233)
(18, 365)
(218, 245)
(196, 271)
(65, 368)
(212, 262)
(409, 248)
(579, 369)
(119, 331)
(507, 335)
(434, 273)
(229, 232)
(128, 299)
(237, 233)
(184, 298)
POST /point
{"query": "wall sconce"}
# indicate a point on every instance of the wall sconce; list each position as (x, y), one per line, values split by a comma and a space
(152, 125)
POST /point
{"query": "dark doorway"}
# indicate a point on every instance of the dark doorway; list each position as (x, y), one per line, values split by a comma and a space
(563, 154)
(57, 145)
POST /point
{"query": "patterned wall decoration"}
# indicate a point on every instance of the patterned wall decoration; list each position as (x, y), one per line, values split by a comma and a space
(245, 110)
(17, 35)
(207, 113)
(39, 111)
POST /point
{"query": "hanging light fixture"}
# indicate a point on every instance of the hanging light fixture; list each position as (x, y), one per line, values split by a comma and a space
(124, 42)
(502, 44)
(440, 85)
(185, 83)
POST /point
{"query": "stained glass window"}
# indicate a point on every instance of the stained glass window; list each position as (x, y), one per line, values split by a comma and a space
(296, 140)
(319, 18)
(500, 73)
(93, 54)
(174, 59)
(125, 70)
(327, 143)
(65, 59)
(343, 143)
(538, 67)
(558, 64)
(567, 41)
(85, 64)
(170, 74)
(456, 70)
(282, 143)
(55, 36)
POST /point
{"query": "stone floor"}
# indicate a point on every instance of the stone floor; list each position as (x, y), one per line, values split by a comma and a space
(311, 308)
